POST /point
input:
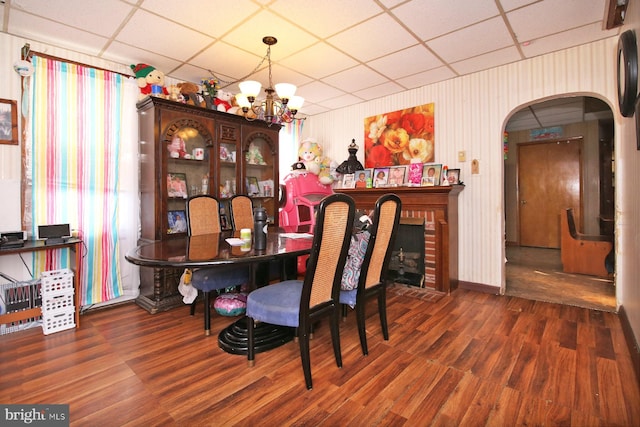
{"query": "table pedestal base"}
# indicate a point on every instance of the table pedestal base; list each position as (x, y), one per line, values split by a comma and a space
(233, 339)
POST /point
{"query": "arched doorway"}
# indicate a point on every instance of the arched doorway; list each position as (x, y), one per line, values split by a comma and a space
(558, 153)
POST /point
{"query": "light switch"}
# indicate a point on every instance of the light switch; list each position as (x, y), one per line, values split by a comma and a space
(462, 156)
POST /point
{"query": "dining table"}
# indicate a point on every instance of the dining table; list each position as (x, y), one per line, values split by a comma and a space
(283, 247)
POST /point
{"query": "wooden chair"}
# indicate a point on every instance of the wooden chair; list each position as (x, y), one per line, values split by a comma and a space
(300, 303)
(372, 281)
(203, 219)
(241, 212)
(581, 253)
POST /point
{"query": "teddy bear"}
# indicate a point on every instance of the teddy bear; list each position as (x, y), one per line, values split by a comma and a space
(310, 153)
(147, 77)
(175, 93)
(224, 102)
(190, 93)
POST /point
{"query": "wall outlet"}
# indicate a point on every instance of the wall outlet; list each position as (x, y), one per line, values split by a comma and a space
(462, 156)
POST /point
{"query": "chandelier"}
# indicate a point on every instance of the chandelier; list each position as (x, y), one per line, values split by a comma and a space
(280, 104)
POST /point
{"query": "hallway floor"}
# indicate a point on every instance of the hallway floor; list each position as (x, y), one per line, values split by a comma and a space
(536, 274)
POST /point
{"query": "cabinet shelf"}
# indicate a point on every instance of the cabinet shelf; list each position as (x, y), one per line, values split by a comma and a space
(226, 140)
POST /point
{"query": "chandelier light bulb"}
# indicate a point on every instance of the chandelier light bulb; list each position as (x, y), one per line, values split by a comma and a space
(285, 91)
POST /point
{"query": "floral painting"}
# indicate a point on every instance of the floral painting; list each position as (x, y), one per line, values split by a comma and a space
(400, 137)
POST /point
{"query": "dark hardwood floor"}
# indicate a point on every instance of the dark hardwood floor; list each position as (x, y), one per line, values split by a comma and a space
(469, 359)
(536, 273)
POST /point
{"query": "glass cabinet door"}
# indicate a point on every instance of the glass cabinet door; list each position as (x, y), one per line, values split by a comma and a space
(260, 164)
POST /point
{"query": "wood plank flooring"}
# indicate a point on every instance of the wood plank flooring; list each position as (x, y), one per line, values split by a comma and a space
(469, 359)
(536, 273)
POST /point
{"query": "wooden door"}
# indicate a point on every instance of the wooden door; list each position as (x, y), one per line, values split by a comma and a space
(549, 180)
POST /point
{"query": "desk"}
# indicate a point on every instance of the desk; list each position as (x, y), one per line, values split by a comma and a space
(35, 246)
(211, 250)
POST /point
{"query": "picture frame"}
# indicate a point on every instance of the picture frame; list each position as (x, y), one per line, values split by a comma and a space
(453, 176)
(363, 178)
(380, 177)
(348, 180)
(177, 221)
(253, 189)
(431, 174)
(397, 176)
(8, 122)
(177, 185)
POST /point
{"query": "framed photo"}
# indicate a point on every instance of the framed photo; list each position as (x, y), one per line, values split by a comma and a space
(453, 176)
(253, 189)
(431, 174)
(177, 222)
(380, 177)
(348, 180)
(8, 122)
(363, 178)
(177, 185)
(397, 175)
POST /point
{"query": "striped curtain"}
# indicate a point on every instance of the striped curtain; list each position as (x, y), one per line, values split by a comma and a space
(290, 135)
(76, 119)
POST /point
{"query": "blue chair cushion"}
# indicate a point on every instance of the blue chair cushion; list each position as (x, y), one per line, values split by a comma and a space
(348, 297)
(278, 304)
(210, 279)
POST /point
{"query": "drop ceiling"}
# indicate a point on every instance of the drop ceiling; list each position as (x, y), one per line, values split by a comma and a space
(337, 52)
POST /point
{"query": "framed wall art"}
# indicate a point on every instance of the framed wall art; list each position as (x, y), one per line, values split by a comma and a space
(400, 137)
(8, 122)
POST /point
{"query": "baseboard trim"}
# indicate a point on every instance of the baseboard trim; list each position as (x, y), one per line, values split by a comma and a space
(479, 287)
(630, 339)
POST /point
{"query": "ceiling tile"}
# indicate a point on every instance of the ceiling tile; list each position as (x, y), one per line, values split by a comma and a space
(119, 52)
(341, 101)
(471, 41)
(432, 18)
(379, 91)
(567, 39)
(307, 62)
(94, 16)
(318, 92)
(354, 79)
(372, 39)
(427, 77)
(558, 15)
(35, 28)
(407, 61)
(156, 34)
(249, 36)
(209, 17)
(327, 17)
(488, 60)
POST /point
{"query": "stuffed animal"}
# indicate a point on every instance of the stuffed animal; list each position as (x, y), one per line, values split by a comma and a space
(224, 102)
(148, 77)
(310, 153)
(190, 93)
(175, 94)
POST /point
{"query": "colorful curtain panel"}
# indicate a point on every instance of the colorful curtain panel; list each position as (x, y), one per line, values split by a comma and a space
(75, 136)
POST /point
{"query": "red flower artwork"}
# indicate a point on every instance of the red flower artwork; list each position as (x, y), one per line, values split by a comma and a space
(400, 137)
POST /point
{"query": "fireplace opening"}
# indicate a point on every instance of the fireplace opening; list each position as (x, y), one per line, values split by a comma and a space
(407, 259)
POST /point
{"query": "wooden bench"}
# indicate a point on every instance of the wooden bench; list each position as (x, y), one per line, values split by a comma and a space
(581, 253)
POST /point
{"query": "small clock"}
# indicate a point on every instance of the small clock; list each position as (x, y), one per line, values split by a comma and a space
(627, 73)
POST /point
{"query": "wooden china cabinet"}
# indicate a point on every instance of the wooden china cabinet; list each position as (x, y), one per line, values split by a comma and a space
(187, 150)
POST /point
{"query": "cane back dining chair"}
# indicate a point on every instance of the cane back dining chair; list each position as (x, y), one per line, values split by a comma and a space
(241, 212)
(299, 303)
(203, 218)
(372, 280)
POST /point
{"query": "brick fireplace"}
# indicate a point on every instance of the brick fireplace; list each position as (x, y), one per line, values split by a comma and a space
(437, 209)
